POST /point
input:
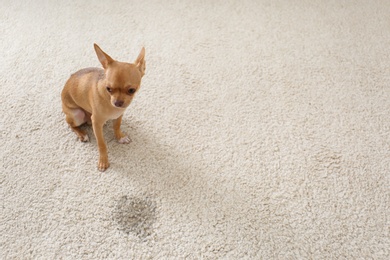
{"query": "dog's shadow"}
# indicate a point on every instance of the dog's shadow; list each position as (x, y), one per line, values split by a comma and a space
(148, 160)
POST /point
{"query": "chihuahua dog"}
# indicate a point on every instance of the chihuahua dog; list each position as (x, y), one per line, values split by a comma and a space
(95, 95)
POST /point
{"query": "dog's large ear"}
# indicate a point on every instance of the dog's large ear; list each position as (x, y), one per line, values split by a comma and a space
(140, 62)
(104, 59)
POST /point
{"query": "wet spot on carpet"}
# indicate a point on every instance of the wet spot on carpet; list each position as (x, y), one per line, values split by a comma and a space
(135, 215)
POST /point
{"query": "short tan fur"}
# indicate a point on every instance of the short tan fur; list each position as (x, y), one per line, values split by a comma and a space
(95, 95)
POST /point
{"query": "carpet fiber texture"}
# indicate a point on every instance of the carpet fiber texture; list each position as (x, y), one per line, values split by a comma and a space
(261, 131)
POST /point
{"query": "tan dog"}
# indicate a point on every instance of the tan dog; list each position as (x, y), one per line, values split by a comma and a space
(94, 95)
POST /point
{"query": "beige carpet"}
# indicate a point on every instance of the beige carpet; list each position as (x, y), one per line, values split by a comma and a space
(261, 131)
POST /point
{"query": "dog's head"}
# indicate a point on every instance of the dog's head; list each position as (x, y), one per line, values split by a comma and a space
(122, 80)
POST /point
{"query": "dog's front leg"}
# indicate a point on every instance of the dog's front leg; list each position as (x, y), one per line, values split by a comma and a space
(119, 135)
(97, 125)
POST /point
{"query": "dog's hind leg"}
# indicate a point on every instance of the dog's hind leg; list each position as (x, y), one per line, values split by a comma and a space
(76, 117)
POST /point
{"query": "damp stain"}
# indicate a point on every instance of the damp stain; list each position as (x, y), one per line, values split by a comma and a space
(135, 215)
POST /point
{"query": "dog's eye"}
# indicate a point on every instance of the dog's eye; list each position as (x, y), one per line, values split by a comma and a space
(131, 91)
(109, 89)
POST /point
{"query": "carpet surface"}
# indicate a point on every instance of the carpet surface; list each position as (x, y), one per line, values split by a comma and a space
(261, 131)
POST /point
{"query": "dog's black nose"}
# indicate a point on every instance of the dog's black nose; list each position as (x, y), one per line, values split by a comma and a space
(118, 103)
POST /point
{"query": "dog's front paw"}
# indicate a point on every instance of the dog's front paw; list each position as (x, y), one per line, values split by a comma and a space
(124, 140)
(84, 138)
(103, 164)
